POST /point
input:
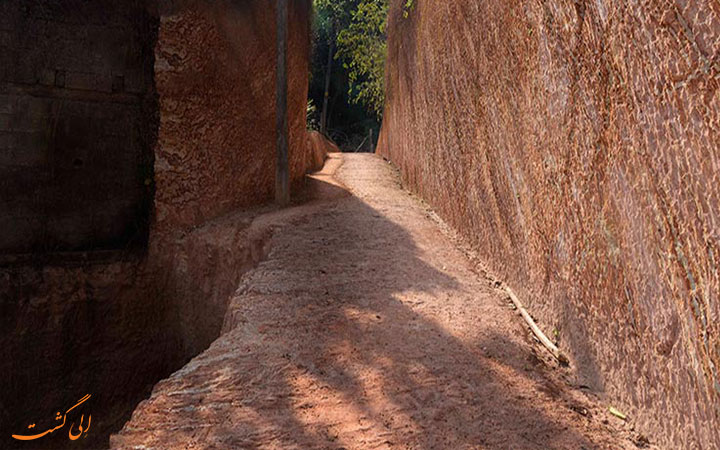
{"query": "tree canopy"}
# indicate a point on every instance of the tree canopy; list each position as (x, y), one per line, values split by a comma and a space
(362, 47)
(351, 32)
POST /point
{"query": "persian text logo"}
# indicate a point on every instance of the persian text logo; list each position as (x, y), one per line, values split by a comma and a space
(80, 429)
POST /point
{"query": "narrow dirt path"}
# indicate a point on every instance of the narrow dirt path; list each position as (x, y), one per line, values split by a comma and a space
(366, 327)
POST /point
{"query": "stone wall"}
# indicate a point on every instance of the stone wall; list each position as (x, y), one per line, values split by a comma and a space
(576, 145)
(76, 124)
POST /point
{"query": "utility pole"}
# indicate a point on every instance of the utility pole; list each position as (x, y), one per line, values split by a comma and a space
(282, 172)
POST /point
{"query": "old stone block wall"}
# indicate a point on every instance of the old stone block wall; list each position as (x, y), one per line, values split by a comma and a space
(76, 124)
(576, 144)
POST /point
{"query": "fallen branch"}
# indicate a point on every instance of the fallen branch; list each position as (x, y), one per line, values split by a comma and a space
(562, 359)
(617, 413)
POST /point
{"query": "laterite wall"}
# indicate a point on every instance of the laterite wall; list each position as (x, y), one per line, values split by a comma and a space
(134, 137)
(575, 143)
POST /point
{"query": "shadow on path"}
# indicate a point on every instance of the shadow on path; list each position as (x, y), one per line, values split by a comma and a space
(353, 335)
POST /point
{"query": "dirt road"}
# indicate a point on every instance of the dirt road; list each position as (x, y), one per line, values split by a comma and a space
(367, 327)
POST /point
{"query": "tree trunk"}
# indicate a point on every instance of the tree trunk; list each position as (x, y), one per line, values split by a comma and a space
(326, 92)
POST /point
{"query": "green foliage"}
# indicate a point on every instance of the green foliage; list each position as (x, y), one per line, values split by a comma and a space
(331, 16)
(363, 47)
(310, 114)
(359, 27)
(407, 7)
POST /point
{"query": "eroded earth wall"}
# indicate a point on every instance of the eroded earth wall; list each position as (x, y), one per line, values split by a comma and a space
(215, 76)
(105, 89)
(576, 145)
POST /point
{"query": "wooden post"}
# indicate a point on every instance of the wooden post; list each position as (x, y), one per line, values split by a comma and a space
(282, 172)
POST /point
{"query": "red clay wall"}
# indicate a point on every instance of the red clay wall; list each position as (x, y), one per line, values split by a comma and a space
(113, 323)
(318, 146)
(576, 144)
(215, 77)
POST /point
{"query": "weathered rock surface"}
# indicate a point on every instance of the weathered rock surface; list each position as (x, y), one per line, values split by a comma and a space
(215, 77)
(111, 324)
(367, 328)
(576, 143)
(318, 146)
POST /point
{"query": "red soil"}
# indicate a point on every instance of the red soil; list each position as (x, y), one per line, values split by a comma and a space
(368, 327)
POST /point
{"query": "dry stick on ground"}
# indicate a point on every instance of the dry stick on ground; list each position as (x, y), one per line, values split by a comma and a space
(538, 332)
